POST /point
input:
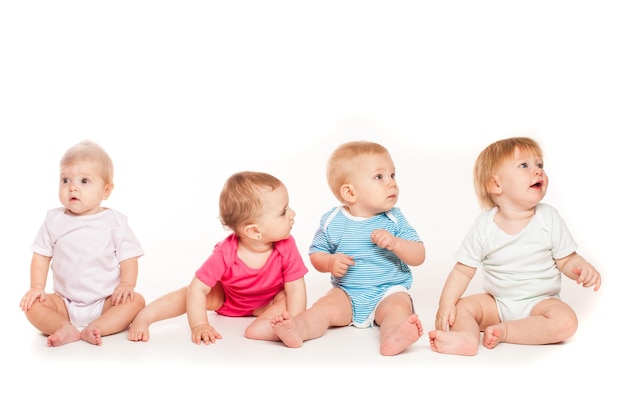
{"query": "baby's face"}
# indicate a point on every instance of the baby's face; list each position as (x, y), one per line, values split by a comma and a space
(82, 188)
(277, 217)
(374, 184)
(522, 181)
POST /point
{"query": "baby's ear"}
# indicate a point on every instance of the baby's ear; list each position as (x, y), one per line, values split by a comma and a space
(252, 231)
(493, 185)
(347, 193)
(108, 189)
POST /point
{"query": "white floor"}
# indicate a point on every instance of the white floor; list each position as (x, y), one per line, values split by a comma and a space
(184, 95)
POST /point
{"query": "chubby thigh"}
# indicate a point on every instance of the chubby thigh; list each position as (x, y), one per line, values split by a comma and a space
(56, 303)
(274, 307)
(481, 307)
(553, 307)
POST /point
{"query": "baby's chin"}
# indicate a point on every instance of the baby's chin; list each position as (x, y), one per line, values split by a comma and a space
(388, 207)
(79, 212)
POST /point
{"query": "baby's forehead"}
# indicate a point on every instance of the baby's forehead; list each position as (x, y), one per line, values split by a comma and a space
(525, 152)
(370, 158)
(83, 163)
(81, 167)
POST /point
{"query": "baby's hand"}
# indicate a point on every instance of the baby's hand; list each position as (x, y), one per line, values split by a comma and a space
(384, 239)
(445, 317)
(122, 293)
(204, 333)
(31, 296)
(339, 263)
(587, 276)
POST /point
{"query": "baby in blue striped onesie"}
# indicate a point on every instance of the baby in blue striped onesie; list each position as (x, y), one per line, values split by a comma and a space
(367, 245)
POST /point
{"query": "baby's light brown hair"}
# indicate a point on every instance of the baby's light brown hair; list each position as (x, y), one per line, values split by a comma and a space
(340, 166)
(241, 198)
(87, 150)
(490, 160)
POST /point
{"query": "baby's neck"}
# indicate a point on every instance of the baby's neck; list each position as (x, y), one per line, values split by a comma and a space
(253, 253)
(512, 220)
(358, 212)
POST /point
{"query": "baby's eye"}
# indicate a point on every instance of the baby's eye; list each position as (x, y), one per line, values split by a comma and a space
(64, 181)
(393, 175)
(540, 165)
(523, 165)
(84, 181)
(378, 177)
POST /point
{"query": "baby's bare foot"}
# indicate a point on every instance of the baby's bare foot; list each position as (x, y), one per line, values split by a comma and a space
(455, 343)
(92, 334)
(138, 331)
(286, 329)
(494, 335)
(401, 338)
(66, 334)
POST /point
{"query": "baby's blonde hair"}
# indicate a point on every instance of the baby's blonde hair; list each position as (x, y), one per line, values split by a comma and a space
(340, 165)
(241, 199)
(87, 150)
(490, 160)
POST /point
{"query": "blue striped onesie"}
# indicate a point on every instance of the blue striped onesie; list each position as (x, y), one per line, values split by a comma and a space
(376, 269)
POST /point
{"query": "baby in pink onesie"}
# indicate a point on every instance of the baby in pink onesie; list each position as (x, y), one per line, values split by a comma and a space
(256, 271)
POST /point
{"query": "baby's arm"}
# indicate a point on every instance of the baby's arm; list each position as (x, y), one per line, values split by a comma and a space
(38, 274)
(201, 330)
(577, 268)
(335, 263)
(295, 296)
(125, 290)
(410, 252)
(456, 284)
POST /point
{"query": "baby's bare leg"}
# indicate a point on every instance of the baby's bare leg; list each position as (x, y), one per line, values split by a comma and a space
(167, 306)
(114, 319)
(261, 328)
(399, 326)
(463, 338)
(51, 318)
(551, 321)
(332, 310)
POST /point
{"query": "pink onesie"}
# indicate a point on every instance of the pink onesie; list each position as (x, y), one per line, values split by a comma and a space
(245, 288)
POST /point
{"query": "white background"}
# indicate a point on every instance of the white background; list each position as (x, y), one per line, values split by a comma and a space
(182, 94)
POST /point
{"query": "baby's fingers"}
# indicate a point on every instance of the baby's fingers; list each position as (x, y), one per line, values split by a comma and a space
(120, 296)
(210, 337)
(205, 335)
(25, 303)
(592, 280)
(588, 278)
(29, 299)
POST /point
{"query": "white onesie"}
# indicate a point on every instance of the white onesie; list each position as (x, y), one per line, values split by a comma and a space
(519, 270)
(86, 252)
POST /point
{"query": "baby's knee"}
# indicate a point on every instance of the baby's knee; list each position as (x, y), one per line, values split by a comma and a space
(139, 300)
(253, 332)
(469, 306)
(567, 327)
